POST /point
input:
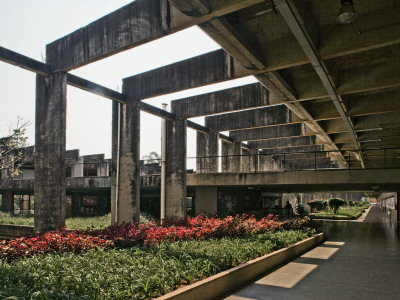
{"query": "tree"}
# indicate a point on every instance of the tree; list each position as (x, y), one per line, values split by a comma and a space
(153, 157)
(13, 151)
(335, 203)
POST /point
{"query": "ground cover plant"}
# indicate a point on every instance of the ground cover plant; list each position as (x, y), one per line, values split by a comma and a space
(70, 223)
(136, 261)
(135, 272)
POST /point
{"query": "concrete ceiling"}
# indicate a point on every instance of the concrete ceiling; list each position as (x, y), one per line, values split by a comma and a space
(342, 80)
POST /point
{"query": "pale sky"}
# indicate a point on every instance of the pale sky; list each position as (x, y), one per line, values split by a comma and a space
(26, 26)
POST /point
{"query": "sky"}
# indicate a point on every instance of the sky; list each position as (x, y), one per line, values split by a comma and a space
(26, 26)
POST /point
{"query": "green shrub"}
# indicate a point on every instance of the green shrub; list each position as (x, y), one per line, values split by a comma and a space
(335, 203)
(316, 205)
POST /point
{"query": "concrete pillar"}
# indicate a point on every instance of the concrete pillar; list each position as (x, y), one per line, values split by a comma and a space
(206, 200)
(175, 183)
(26, 204)
(207, 145)
(7, 200)
(76, 203)
(50, 179)
(231, 157)
(397, 206)
(250, 160)
(77, 168)
(125, 182)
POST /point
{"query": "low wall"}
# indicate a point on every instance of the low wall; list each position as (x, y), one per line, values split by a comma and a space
(9, 231)
(227, 281)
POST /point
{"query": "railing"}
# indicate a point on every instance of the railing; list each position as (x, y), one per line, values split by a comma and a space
(386, 158)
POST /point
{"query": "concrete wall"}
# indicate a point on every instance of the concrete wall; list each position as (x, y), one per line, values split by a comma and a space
(206, 201)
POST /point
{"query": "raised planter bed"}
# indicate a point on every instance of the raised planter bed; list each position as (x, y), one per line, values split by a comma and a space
(227, 281)
(11, 231)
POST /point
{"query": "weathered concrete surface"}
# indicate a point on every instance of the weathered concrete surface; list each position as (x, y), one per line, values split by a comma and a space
(125, 201)
(207, 152)
(216, 66)
(7, 201)
(132, 25)
(50, 180)
(249, 160)
(231, 156)
(238, 98)
(14, 231)
(206, 201)
(299, 149)
(263, 117)
(175, 193)
(285, 142)
(273, 132)
(299, 181)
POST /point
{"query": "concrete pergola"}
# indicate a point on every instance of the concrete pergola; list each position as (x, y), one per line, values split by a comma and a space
(322, 86)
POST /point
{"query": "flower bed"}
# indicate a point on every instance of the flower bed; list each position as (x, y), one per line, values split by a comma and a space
(127, 235)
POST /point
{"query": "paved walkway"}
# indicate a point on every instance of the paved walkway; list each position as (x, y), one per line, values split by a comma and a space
(359, 260)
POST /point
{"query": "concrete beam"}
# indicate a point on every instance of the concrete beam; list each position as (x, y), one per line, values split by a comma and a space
(234, 99)
(50, 127)
(263, 117)
(370, 122)
(296, 149)
(24, 62)
(285, 142)
(305, 181)
(213, 67)
(130, 26)
(273, 132)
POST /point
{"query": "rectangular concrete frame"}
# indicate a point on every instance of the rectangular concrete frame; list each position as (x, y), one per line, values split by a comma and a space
(227, 281)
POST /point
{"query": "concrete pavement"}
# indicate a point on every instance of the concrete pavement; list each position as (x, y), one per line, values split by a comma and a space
(359, 260)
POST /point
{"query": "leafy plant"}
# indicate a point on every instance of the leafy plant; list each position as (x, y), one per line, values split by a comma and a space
(133, 273)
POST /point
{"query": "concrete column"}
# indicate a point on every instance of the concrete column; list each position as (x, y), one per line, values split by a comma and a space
(76, 201)
(250, 160)
(77, 168)
(7, 200)
(26, 204)
(206, 200)
(125, 183)
(207, 145)
(397, 206)
(231, 157)
(50, 180)
(175, 194)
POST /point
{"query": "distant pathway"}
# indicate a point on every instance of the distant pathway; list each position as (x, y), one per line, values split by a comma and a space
(359, 260)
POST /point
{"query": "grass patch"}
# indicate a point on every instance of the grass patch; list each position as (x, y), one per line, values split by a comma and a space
(343, 212)
(133, 273)
(71, 223)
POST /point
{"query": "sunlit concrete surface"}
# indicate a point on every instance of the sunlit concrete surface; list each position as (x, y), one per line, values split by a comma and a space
(365, 265)
(321, 253)
(288, 276)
